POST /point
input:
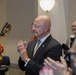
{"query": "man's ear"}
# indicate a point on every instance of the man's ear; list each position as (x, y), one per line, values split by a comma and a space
(47, 28)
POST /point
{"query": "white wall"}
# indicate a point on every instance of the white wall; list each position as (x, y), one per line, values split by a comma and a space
(71, 12)
(20, 14)
(3, 19)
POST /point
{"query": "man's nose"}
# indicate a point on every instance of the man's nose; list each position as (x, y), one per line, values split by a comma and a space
(33, 28)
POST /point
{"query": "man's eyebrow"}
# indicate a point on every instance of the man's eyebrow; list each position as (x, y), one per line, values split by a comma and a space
(32, 23)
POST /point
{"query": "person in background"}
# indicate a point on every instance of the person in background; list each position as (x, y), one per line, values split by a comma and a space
(70, 40)
(32, 55)
(69, 43)
(55, 67)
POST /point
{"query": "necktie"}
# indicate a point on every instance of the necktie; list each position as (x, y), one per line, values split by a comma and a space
(36, 47)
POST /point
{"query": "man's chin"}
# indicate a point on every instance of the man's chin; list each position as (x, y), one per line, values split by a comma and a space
(35, 35)
(74, 32)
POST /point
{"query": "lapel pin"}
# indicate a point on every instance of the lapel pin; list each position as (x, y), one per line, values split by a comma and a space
(43, 45)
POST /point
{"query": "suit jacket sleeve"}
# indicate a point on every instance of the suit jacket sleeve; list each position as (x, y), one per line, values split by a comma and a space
(21, 64)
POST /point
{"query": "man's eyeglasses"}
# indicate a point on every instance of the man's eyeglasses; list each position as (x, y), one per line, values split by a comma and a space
(35, 26)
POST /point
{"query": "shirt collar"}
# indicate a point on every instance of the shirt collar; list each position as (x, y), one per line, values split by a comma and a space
(43, 39)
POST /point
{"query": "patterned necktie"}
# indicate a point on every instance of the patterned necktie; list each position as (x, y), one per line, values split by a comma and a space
(36, 47)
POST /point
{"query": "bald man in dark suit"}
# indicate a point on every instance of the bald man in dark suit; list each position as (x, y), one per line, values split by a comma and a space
(30, 61)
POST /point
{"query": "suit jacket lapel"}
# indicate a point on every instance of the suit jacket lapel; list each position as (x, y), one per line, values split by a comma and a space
(43, 46)
(31, 50)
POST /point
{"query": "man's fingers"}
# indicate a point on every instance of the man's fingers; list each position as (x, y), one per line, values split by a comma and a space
(63, 61)
(48, 63)
(25, 44)
(20, 47)
(53, 62)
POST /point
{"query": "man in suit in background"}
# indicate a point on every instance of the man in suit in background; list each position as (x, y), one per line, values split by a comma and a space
(31, 61)
(70, 40)
(69, 43)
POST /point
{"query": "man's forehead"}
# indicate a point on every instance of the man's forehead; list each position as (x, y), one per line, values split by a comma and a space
(39, 21)
(74, 23)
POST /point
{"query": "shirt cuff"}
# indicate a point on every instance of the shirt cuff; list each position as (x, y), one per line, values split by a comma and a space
(26, 62)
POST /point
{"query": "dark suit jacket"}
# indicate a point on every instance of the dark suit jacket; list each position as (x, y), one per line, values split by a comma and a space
(50, 48)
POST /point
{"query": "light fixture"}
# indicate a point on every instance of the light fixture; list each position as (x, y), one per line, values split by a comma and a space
(46, 5)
